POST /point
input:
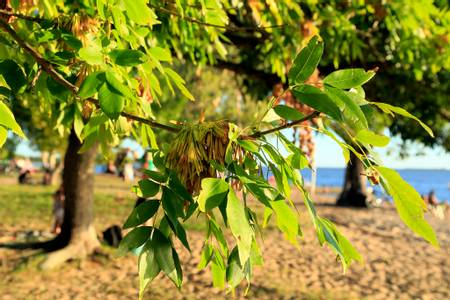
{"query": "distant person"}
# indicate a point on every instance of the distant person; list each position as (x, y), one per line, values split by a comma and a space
(25, 172)
(432, 199)
(435, 207)
(111, 168)
(24, 177)
(58, 209)
(120, 161)
(128, 171)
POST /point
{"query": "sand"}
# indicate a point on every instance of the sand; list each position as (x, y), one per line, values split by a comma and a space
(398, 265)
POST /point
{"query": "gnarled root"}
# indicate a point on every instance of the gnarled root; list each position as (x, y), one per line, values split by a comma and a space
(80, 246)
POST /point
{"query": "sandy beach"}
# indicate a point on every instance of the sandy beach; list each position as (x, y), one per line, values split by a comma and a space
(397, 265)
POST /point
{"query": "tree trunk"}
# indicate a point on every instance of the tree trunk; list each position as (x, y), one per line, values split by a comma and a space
(354, 191)
(77, 238)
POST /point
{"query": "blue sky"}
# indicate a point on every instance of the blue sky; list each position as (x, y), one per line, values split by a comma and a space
(329, 154)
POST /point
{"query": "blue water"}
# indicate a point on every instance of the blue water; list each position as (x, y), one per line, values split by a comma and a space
(422, 180)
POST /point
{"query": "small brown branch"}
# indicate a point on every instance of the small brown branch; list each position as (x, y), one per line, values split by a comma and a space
(287, 125)
(50, 70)
(199, 22)
(23, 17)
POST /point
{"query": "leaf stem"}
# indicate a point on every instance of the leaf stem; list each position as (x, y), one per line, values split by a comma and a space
(258, 134)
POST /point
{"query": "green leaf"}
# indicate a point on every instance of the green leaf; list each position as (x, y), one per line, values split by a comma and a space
(117, 85)
(235, 273)
(92, 55)
(172, 204)
(3, 135)
(161, 54)
(351, 111)
(218, 271)
(179, 82)
(287, 112)
(71, 41)
(409, 204)
(5, 92)
(7, 120)
(206, 256)
(306, 62)
(127, 57)
(149, 188)
(178, 188)
(287, 220)
(179, 231)
(134, 239)
(15, 4)
(156, 176)
(239, 225)
(111, 102)
(13, 75)
(248, 145)
(328, 232)
(318, 100)
(142, 213)
(348, 78)
(90, 85)
(213, 192)
(387, 108)
(167, 258)
(148, 266)
(370, 138)
(139, 12)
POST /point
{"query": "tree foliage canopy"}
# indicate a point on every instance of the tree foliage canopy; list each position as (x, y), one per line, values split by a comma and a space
(97, 66)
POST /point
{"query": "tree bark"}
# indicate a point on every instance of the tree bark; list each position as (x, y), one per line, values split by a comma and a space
(77, 238)
(354, 192)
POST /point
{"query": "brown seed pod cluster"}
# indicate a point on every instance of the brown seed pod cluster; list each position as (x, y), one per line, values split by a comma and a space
(193, 149)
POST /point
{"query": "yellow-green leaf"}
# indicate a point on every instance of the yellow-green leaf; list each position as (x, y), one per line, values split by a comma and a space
(409, 204)
(368, 137)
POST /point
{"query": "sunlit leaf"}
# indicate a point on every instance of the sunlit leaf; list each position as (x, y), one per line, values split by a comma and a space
(306, 62)
(348, 78)
(139, 12)
(239, 225)
(127, 57)
(387, 108)
(408, 202)
(371, 138)
(213, 192)
(111, 102)
(7, 120)
(287, 221)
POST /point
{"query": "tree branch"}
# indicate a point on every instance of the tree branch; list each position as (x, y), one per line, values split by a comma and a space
(287, 125)
(50, 70)
(8, 13)
(199, 22)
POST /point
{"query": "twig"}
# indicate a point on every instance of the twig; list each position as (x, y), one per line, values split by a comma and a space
(196, 21)
(24, 17)
(50, 70)
(287, 125)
